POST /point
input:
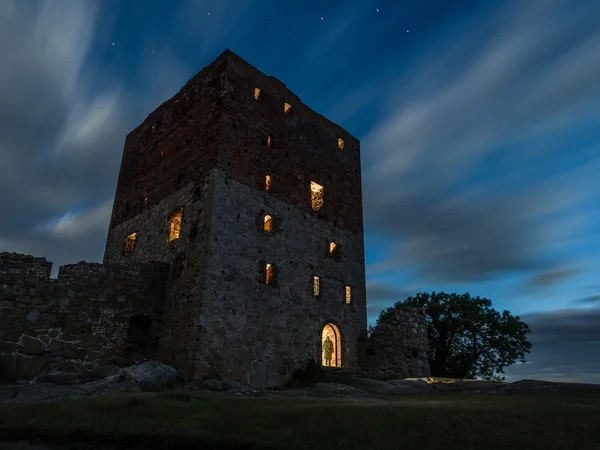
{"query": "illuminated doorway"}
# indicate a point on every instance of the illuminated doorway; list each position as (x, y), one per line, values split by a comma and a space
(331, 346)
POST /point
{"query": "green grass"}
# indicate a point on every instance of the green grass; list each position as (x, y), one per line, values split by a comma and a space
(427, 421)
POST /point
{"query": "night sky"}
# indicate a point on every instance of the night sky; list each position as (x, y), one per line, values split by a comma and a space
(479, 124)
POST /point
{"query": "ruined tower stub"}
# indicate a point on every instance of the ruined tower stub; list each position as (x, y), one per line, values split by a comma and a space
(249, 195)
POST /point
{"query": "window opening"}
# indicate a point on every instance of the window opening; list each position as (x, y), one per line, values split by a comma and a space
(332, 248)
(268, 183)
(130, 243)
(175, 224)
(270, 141)
(340, 143)
(269, 274)
(316, 197)
(268, 225)
(348, 295)
(316, 286)
(256, 93)
(287, 108)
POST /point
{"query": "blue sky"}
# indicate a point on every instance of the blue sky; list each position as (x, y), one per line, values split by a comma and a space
(479, 124)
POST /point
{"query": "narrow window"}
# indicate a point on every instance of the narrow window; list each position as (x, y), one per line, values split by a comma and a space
(316, 286)
(269, 274)
(332, 248)
(270, 141)
(348, 295)
(340, 143)
(130, 243)
(256, 93)
(268, 225)
(175, 224)
(145, 200)
(316, 197)
(287, 108)
(177, 267)
(268, 183)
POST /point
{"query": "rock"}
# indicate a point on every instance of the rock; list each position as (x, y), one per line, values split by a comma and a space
(212, 385)
(151, 375)
(413, 385)
(106, 371)
(377, 386)
(337, 388)
(33, 315)
(8, 367)
(228, 385)
(32, 346)
(30, 366)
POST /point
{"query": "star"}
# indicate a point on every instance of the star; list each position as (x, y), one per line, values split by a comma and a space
(209, 14)
(321, 18)
(113, 44)
(407, 31)
(377, 9)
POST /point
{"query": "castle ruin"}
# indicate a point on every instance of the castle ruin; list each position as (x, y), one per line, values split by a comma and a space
(235, 249)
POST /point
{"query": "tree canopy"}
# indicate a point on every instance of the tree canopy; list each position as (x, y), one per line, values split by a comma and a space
(467, 337)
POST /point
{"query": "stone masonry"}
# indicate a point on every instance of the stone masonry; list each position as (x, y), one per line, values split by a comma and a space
(80, 320)
(397, 346)
(201, 298)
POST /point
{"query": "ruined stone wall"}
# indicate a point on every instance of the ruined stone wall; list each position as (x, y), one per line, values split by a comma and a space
(397, 346)
(183, 302)
(79, 320)
(260, 334)
(304, 146)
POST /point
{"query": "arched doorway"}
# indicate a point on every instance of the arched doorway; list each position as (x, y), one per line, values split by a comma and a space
(331, 346)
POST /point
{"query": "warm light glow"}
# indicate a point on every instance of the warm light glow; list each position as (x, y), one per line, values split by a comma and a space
(268, 183)
(340, 143)
(270, 141)
(316, 197)
(130, 243)
(175, 224)
(331, 347)
(332, 248)
(162, 154)
(287, 108)
(269, 274)
(256, 93)
(145, 200)
(348, 295)
(316, 286)
(268, 226)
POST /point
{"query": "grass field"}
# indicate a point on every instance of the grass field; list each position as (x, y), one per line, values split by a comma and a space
(428, 421)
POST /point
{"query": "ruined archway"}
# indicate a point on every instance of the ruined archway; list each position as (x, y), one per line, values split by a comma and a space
(331, 353)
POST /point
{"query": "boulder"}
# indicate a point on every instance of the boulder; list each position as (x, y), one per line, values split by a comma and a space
(151, 375)
(212, 385)
(32, 346)
(229, 385)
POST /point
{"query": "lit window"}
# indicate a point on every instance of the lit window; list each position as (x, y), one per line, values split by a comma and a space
(256, 93)
(268, 226)
(332, 248)
(269, 274)
(348, 295)
(316, 197)
(340, 143)
(287, 108)
(268, 183)
(270, 141)
(145, 200)
(316, 286)
(130, 243)
(175, 224)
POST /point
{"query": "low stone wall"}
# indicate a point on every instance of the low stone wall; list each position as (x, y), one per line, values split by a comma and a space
(91, 315)
(397, 346)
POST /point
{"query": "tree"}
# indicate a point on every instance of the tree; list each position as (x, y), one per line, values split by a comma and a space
(467, 337)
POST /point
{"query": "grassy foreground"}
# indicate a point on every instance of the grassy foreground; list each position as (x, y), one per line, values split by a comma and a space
(437, 421)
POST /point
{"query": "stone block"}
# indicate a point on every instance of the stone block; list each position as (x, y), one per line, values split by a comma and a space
(32, 346)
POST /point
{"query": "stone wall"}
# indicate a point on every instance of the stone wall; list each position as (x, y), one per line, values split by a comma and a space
(397, 346)
(304, 149)
(80, 320)
(258, 333)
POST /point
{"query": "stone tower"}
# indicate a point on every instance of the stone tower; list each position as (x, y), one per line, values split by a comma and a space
(255, 201)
